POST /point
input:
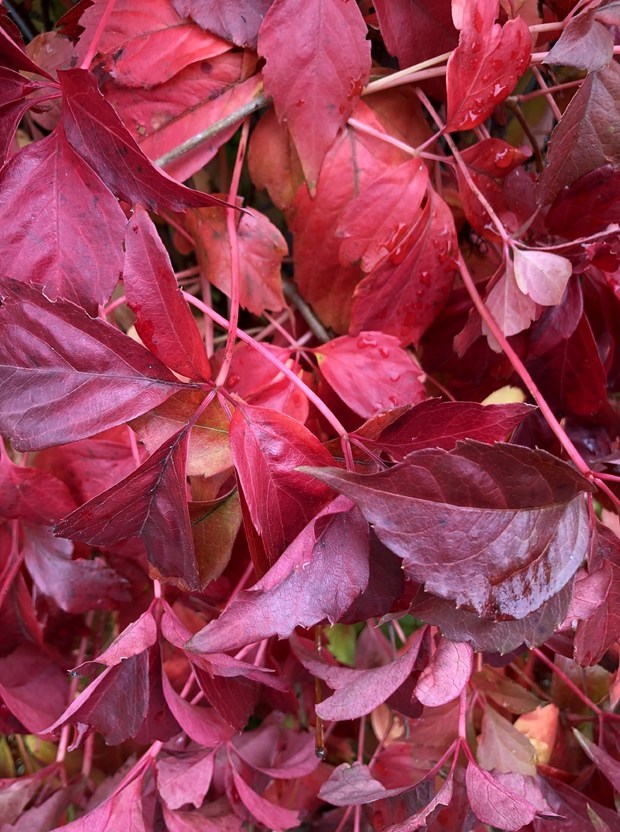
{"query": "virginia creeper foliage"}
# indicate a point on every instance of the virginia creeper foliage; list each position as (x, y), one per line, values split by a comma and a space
(309, 366)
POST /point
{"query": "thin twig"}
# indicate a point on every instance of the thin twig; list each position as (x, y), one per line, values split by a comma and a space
(292, 295)
(233, 118)
(514, 108)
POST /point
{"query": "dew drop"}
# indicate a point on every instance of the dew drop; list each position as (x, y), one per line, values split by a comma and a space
(232, 380)
(366, 340)
(425, 278)
(384, 352)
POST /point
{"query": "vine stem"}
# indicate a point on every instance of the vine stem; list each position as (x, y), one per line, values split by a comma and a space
(235, 277)
(568, 682)
(92, 49)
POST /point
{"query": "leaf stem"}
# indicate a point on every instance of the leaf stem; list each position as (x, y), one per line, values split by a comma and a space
(92, 49)
(568, 682)
(403, 76)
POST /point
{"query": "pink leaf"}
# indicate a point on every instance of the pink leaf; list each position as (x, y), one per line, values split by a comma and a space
(370, 373)
(265, 812)
(234, 20)
(314, 82)
(163, 319)
(203, 725)
(354, 785)
(541, 275)
(512, 310)
(98, 135)
(484, 68)
(449, 671)
(494, 804)
(123, 810)
(81, 376)
(185, 779)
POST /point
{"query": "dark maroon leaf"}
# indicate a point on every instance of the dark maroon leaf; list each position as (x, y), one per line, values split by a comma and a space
(63, 229)
(589, 205)
(150, 503)
(604, 761)
(583, 140)
(81, 376)
(163, 319)
(98, 135)
(438, 424)
(316, 95)
(385, 585)
(234, 20)
(34, 496)
(574, 807)
(12, 51)
(267, 447)
(33, 687)
(234, 698)
(517, 514)
(584, 43)
(319, 576)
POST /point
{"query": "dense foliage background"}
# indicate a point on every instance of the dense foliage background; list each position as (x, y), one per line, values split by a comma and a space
(309, 483)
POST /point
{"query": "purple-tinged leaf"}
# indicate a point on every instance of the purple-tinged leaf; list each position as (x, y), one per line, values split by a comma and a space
(588, 205)
(163, 318)
(315, 83)
(603, 761)
(438, 424)
(575, 807)
(63, 229)
(76, 586)
(185, 779)
(495, 804)
(14, 102)
(214, 815)
(203, 725)
(319, 576)
(443, 797)
(150, 503)
(139, 636)
(81, 376)
(502, 747)
(122, 810)
(367, 689)
(354, 785)
(449, 670)
(32, 687)
(233, 697)
(584, 44)
(267, 447)
(12, 52)
(97, 134)
(587, 136)
(234, 20)
(499, 528)
(263, 811)
(297, 759)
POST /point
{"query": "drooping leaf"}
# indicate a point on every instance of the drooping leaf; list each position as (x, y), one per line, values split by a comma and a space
(370, 373)
(215, 526)
(15, 92)
(404, 295)
(354, 785)
(185, 779)
(33, 688)
(261, 248)
(542, 275)
(317, 577)
(512, 310)
(495, 804)
(267, 447)
(146, 45)
(80, 377)
(34, 496)
(502, 747)
(484, 68)
(163, 319)
(264, 811)
(235, 20)
(122, 809)
(584, 43)
(97, 134)
(54, 235)
(204, 725)
(150, 503)
(588, 205)
(442, 512)
(447, 673)
(583, 140)
(315, 83)
(604, 761)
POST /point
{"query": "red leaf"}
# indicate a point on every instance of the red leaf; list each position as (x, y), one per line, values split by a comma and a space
(406, 293)
(79, 377)
(320, 574)
(438, 424)
(315, 82)
(12, 50)
(378, 220)
(267, 447)
(589, 205)
(513, 515)
(185, 779)
(150, 503)
(370, 373)
(15, 92)
(63, 229)
(142, 46)
(265, 812)
(449, 671)
(354, 785)
(75, 585)
(603, 761)
(365, 690)
(234, 20)
(261, 248)
(34, 496)
(163, 319)
(443, 797)
(583, 140)
(495, 804)
(484, 68)
(33, 687)
(98, 135)
(203, 725)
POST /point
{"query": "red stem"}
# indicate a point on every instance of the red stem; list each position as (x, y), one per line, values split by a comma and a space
(92, 49)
